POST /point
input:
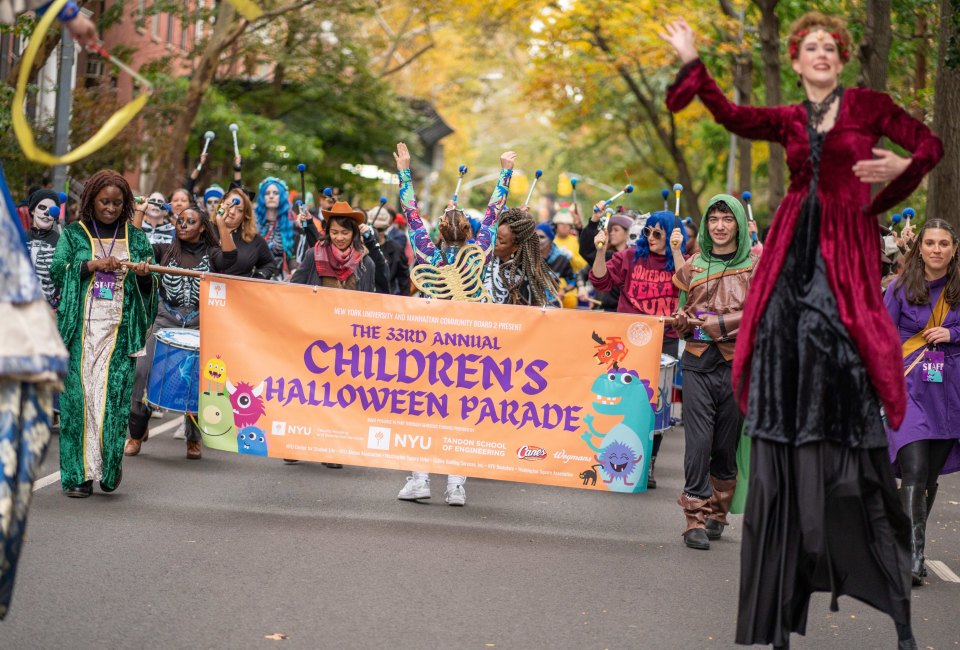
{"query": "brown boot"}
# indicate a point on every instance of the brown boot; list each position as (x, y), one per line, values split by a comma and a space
(193, 450)
(719, 506)
(696, 511)
(132, 446)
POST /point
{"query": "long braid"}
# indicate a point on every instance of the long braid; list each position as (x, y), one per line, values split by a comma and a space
(527, 264)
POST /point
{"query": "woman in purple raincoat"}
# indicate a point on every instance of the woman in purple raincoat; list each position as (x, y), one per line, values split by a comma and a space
(925, 306)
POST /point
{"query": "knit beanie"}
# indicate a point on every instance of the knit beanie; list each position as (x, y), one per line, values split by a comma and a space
(40, 195)
(546, 229)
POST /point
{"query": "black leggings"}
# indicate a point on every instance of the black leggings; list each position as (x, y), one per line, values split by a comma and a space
(921, 461)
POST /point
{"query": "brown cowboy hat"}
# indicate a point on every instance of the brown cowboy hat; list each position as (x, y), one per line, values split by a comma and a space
(343, 209)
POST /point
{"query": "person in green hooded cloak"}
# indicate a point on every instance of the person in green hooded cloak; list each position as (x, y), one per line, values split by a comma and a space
(713, 289)
(108, 302)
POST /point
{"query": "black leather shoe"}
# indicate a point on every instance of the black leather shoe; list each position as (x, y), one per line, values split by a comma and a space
(81, 491)
(332, 465)
(697, 538)
(119, 478)
(651, 479)
(290, 461)
(714, 529)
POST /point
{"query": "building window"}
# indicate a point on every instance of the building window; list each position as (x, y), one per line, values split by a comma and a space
(155, 26)
(170, 32)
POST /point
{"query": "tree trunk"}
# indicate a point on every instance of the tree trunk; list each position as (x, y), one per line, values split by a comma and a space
(743, 80)
(875, 47)
(770, 55)
(170, 159)
(944, 190)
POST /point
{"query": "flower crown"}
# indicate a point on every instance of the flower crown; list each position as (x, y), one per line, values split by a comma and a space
(797, 38)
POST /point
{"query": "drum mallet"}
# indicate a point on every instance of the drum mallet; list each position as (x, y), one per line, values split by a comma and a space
(746, 199)
(533, 186)
(62, 198)
(383, 202)
(626, 190)
(456, 192)
(302, 168)
(908, 214)
(665, 193)
(236, 147)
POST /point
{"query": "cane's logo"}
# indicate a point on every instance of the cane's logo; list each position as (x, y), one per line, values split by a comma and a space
(528, 452)
(218, 294)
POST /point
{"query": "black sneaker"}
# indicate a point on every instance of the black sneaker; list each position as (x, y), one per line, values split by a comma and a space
(332, 465)
(697, 538)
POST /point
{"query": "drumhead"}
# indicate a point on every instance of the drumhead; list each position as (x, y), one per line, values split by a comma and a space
(180, 338)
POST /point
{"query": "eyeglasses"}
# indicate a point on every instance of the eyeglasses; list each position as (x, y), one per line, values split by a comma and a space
(654, 233)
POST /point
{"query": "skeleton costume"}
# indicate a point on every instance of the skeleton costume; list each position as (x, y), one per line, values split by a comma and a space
(42, 241)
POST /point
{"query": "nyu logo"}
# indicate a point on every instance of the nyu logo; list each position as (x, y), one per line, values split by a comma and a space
(279, 429)
(528, 452)
(407, 441)
(378, 438)
(218, 294)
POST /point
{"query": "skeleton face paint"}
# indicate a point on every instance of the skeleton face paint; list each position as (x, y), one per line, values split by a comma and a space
(41, 215)
(271, 197)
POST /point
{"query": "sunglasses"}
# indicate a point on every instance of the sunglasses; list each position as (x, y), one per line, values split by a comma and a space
(654, 233)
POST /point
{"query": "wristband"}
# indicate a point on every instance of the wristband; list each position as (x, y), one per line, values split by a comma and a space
(238, 168)
(723, 328)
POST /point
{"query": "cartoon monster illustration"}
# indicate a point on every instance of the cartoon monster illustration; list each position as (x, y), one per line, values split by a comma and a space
(622, 393)
(252, 441)
(216, 422)
(247, 402)
(590, 475)
(609, 352)
(216, 374)
(617, 461)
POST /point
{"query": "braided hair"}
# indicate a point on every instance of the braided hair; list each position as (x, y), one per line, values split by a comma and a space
(96, 183)
(527, 263)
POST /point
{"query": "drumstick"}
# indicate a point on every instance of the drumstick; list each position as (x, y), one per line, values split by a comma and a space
(670, 320)
(627, 189)
(168, 270)
(456, 192)
(536, 178)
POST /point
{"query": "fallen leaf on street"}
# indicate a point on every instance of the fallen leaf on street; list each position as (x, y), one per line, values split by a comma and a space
(276, 636)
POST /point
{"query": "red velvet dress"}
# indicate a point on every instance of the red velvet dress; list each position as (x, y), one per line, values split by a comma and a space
(816, 355)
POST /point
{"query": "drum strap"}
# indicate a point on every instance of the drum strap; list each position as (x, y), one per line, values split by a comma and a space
(937, 316)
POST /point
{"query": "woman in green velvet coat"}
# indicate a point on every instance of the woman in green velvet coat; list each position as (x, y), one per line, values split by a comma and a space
(105, 311)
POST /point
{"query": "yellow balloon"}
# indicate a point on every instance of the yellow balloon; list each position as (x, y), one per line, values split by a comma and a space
(21, 127)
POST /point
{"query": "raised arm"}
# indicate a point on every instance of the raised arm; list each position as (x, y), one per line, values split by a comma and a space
(498, 201)
(752, 122)
(419, 237)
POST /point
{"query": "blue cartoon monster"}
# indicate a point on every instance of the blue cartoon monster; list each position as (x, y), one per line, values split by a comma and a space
(252, 441)
(627, 445)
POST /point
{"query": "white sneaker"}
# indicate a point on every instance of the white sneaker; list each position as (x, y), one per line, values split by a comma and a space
(455, 496)
(181, 432)
(416, 488)
(156, 414)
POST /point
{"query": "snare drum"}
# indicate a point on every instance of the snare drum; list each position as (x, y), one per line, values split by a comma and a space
(662, 416)
(174, 382)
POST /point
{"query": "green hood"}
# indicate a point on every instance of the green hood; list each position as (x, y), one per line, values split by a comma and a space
(742, 257)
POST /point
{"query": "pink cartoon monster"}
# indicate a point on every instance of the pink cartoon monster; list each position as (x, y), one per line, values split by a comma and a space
(247, 403)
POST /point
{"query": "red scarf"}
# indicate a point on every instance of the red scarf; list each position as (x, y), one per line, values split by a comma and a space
(334, 263)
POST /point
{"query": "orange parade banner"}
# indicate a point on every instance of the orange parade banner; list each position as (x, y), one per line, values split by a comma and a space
(550, 396)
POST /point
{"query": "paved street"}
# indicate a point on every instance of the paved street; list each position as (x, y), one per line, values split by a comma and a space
(230, 550)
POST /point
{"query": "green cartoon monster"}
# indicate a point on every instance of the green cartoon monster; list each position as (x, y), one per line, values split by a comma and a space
(623, 393)
(216, 422)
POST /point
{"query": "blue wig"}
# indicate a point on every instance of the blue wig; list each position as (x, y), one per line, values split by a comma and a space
(667, 223)
(283, 212)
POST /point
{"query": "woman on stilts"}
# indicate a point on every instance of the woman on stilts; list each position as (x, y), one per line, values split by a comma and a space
(816, 355)
(105, 311)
